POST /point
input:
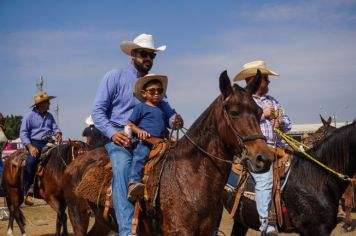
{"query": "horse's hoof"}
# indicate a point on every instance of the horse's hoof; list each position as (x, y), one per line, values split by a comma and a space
(9, 232)
(347, 228)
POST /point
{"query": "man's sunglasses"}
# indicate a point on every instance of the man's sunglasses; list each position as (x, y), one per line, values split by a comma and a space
(145, 54)
(153, 91)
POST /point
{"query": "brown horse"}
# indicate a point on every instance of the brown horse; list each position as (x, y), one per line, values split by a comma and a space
(192, 175)
(50, 188)
(311, 195)
(322, 132)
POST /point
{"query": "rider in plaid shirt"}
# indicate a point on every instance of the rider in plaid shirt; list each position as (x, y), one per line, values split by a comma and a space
(267, 102)
(272, 117)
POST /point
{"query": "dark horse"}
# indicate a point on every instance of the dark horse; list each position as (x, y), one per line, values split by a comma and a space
(347, 202)
(50, 188)
(192, 175)
(311, 195)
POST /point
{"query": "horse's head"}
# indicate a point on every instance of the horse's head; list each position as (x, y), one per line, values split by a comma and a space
(241, 126)
(321, 133)
(77, 148)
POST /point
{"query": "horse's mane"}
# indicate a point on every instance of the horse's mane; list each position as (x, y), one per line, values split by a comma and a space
(332, 152)
(203, 116)
(58, 157)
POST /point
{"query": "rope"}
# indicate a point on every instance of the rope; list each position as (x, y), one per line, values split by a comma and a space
(292, 142)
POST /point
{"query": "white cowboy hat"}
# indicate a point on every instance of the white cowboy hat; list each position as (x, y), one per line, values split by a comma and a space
(140, 83)
(142, 41)
(41, 97)
(89, 121)
(250, 69)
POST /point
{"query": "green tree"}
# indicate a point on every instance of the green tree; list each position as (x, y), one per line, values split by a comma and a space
(12, 126)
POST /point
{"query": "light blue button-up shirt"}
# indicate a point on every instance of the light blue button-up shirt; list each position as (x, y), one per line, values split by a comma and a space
(115, 100)
(37, 126)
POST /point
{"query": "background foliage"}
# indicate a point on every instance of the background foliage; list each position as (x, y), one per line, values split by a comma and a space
(12, 126)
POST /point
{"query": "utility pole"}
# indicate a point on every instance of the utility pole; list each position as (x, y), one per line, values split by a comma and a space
(334, 117)
(56, 112)
(39, 84)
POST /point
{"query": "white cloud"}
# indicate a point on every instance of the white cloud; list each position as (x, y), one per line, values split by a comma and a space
(317, 67)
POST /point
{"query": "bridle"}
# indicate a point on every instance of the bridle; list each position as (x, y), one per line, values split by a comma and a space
(74, 154)
(239, 138)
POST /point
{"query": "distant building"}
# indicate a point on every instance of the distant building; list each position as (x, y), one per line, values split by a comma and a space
(298, 130)
(12, 146)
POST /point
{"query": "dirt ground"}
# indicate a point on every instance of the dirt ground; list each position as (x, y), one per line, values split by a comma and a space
(41, 219)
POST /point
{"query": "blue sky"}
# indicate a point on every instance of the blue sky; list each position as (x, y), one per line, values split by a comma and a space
(72, 44)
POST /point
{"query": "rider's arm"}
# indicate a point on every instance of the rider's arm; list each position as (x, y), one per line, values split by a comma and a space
(285, 123)
(56, 130)
(134, 120)
(174, 120)
(102, 105)
(25, 130)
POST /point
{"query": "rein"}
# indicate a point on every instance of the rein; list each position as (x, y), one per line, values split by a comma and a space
(73, 157)
(202, 150)
(240, 139)
(293, 143)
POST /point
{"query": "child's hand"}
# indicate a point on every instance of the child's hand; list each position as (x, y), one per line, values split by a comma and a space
(143, 134)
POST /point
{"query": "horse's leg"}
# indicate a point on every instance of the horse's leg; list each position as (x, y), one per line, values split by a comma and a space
(238, 229)
(55, 205)
(219, 220)
(14, 200)
(78, 211)
(63, 215)
(99, 229)
(348, 226)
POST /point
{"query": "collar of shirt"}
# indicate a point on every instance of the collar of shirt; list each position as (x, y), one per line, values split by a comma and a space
(133, 69)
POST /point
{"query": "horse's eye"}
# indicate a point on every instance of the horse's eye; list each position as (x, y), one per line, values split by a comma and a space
(234, 114)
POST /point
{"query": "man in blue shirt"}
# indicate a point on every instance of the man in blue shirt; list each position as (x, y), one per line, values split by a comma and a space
(112, 108)
(37, 129)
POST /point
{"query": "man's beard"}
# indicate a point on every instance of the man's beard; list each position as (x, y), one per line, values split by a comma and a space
(142, 69)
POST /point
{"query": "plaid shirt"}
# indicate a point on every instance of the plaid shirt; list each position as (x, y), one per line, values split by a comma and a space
(273, 139)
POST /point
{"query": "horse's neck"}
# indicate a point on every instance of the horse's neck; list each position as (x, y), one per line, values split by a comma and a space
(213, 150)
(338, 156)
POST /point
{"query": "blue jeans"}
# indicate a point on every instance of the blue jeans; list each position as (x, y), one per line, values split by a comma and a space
(263, 191)
(32, 164)
(121, 160)
(140, 153)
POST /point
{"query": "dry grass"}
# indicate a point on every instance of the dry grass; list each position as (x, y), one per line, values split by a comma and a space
(41, 219)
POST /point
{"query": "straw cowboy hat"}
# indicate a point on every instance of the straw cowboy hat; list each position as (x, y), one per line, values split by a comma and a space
(142, 41)
(41, 97)
(250, 69)
(89, 121)
(140, 83)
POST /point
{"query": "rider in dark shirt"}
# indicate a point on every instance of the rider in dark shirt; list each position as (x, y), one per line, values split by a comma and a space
(94, 137)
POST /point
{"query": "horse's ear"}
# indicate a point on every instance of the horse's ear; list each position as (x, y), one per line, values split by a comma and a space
(69, 141)
(325, 123)
(329, 121)
(254, 83)
(225, 84)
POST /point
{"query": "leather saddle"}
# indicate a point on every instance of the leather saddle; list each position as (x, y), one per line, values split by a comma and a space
(281, 168)
(95, 185)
